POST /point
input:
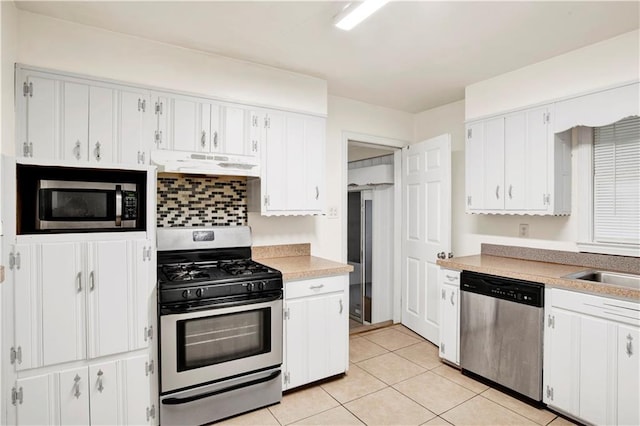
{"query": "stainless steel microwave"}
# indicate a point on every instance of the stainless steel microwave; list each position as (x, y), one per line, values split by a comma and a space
(86, 205)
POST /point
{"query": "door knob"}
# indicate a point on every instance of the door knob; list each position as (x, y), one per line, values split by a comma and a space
(442, 255)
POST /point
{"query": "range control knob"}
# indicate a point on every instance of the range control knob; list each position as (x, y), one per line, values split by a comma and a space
(199, 293)
(186, 294)
(250, 286)
(261, 285)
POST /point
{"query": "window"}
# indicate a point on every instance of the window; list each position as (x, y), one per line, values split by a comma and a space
(610, 207)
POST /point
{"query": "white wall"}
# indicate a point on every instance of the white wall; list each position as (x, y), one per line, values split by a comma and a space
(602, 64)
(325, 234)
(63, 45)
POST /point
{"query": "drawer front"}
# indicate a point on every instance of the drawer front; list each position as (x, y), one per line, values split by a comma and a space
(449, 276)
(314, 286)
(604, 307)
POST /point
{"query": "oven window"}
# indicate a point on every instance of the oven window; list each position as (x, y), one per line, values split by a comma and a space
(217, 339)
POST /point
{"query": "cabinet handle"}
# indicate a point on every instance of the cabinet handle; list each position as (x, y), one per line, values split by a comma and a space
(215, 139)
(203, 139)
(79, 280)
(341, 307)
(97, 151)
(143, 157)
(314, 287)
(498, 192)
(451, 277)
(100, 386)
(444, 294)
(510, 188)
(317, 192)
(76, 150)
(92, 281)
(451, 300)
(629, 346)
(76, 385)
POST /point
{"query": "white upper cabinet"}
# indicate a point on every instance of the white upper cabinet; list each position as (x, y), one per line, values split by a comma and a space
(136, 122)
(518, 165)
(292, 178)
(75, 122)
(38, 108)
(102, 125)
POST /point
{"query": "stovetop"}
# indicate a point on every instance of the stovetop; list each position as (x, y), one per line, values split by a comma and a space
(214, 271)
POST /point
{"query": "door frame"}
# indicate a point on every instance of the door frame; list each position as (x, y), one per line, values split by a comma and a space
(397, 211)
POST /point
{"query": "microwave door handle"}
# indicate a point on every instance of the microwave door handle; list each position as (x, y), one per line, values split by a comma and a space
(118, 205)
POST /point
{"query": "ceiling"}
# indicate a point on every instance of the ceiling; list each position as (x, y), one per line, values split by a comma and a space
(409, 56)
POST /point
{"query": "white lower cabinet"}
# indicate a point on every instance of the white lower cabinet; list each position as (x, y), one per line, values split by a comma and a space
(316, 330)
(591, 361)
(450, 315)
(114, 392)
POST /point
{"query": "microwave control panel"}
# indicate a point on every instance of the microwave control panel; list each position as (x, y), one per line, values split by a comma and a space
(129, 205)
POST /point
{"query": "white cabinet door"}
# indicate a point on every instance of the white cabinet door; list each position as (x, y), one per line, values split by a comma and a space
(75, 122)
(140, 254)
(336, 332)
(256, 132)
(537, 159)
(135, 137)
(73, 392)
(102, 123)
(595, 369)
(41, 138)
(275, 172)
(494, 164)
(560, 367)
(515, 134)
(63, 286)
(628, 346)
(135, 398)
(184, 134)
(315, 139)
(104, 393)
(235, 129)
(297, 344)
(35, 401)
(449, 313)
(295, 189)
(27, 313)
(108, 285)
(474, 166)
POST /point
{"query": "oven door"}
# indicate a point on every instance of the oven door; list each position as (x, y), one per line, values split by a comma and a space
(213, 344)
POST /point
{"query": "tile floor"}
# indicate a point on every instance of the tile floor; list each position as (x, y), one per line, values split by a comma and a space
(396, 378)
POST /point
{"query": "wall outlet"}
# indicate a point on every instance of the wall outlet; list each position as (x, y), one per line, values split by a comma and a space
(333, 213)
(523, 230)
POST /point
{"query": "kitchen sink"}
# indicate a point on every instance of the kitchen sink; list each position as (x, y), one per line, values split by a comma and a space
(606, 277)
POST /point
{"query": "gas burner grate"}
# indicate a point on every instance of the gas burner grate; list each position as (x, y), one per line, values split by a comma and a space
(242, 267)
(184, 272)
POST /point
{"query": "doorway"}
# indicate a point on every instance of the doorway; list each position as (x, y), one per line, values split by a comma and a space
(371, 191)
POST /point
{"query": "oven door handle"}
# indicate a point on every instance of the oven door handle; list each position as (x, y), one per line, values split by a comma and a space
(179, 401)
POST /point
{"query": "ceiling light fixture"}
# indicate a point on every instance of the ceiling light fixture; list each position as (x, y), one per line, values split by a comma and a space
(355, 13)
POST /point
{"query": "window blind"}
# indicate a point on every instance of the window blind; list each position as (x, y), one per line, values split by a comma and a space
(616, 186)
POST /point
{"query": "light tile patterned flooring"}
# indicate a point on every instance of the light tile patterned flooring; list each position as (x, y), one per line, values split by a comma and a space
(396, 378)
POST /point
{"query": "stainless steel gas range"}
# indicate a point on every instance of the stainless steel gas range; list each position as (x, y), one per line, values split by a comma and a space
(220, 318)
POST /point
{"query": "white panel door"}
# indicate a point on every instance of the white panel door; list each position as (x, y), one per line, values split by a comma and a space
(75, 122)
(595, 369)
(35, 406)
(494, 164)
(102, 121)
(449, 323)
(537, 159)
(315, 141)
(63, 284)
(474, 166)
(136, 398)
(43, 118)
(73, 392)
(426, 231)
(560, 369)
(27, 308)
(108, 286)
(337, 332)
(140, 252)
(275, 166)
(295, 189)
(104, 393)
(134, 136)
(234, 128)
(628, 409)
(297, 342)
(185, 133)
(515, 128)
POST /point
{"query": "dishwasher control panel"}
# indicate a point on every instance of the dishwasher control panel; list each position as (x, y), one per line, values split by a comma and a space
(518, 291)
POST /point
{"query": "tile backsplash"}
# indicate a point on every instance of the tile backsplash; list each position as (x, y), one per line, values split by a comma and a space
(189, 200)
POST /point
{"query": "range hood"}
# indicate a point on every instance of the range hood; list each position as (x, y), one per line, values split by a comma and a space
(204, 163)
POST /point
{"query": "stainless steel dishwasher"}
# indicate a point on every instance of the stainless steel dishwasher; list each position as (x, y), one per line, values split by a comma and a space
(501, 331)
